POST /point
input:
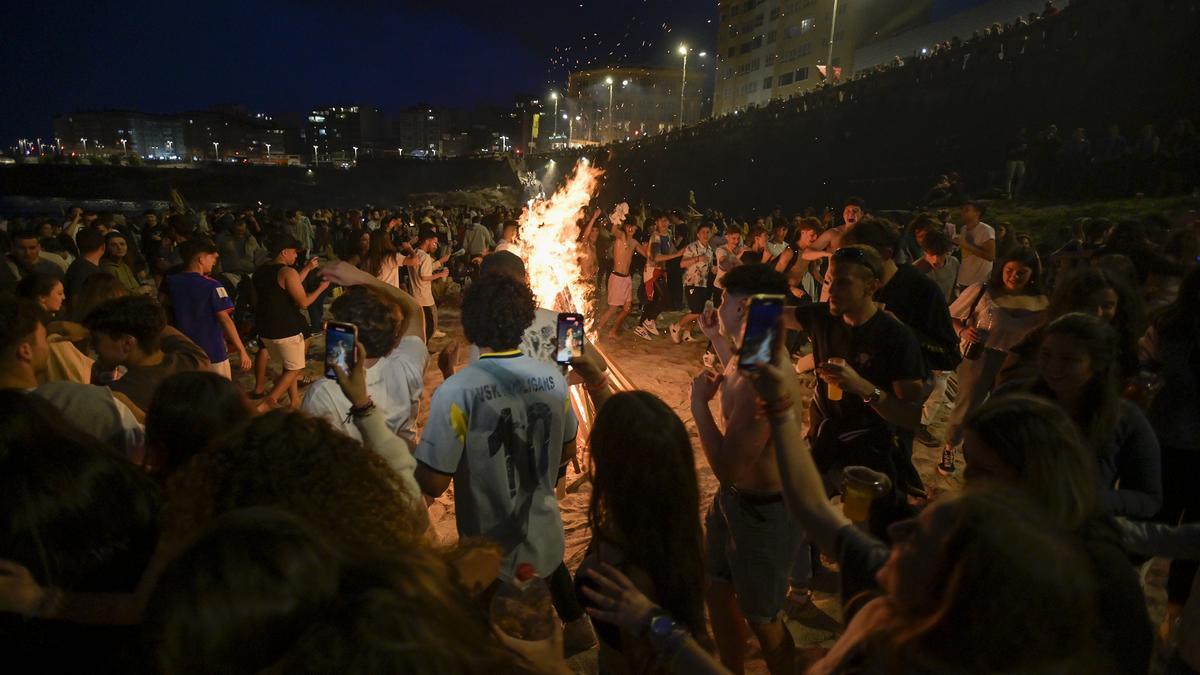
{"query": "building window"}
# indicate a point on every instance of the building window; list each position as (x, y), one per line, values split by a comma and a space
(745, 48)
(802, 74)
(758, 21)
(786, 79)
(807, 24)
(775, 13)
(771, 36)
(804, 49)
(767, 82)
(757, 42)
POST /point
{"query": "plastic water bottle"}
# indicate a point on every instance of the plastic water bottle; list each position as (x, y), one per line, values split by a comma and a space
(522, 609)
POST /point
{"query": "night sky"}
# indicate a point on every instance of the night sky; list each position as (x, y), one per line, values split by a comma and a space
(291, 55)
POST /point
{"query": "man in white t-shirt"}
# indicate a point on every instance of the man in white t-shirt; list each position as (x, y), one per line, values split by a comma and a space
(697, 263)
(391, 328)
(421, 277)
(508, 236)
(977, 241)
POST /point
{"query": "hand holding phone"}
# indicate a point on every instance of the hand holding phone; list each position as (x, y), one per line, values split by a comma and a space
(340, 347)
(761, 331)
(570, 338)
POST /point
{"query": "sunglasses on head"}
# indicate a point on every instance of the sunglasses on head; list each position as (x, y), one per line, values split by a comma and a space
(857, 256)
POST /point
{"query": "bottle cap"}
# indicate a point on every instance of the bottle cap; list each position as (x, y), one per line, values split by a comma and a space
(525, 572)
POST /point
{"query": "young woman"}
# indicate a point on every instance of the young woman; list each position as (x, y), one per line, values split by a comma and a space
(997, 315)
(643, 464)
(118, 261)
(44, 289)
(383, 261)
(1077, 369)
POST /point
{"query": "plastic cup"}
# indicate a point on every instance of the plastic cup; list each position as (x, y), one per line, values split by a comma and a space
(832, 391)
(861, 486)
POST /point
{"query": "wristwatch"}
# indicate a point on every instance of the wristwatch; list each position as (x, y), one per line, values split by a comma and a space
(873, 397)
(661, 626)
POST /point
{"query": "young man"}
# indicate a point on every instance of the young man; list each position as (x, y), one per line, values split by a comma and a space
(537, 342)
(240, 251)
(978, 244)
(503, 429)
(132, 332)
(727, 256)
(477, 241)
(917, 302)
(751, 538)
(201, 307)
(508, 236)
(937, 263)
(697, 264)
(91, 249)
(831, 239)
(279, 299)
(391, 328)
(27, 256)
(876, 385)
(421, 277)
(620, 283)
(658, 249)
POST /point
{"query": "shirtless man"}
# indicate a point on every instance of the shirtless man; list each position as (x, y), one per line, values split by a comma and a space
(620, 285)
(831, 239)
(751, 539)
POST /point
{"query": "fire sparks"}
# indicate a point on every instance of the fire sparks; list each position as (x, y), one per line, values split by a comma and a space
(549, 244)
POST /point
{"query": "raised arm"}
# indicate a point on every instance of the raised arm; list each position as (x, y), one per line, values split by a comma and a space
(293, 284)
(345, 274)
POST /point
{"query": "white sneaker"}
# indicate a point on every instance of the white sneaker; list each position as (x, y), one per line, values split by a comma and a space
(651, 327)
(674, 328)
(641, 332)
(709, 359)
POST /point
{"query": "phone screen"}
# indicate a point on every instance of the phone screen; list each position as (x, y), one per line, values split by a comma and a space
(339, 347)
(761, 332)
(570, 338)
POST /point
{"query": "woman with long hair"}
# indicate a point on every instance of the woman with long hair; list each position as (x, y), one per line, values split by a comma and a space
(1077, 368)
(644, 516)
(994, 316)
(383, 261)
(44, 289)
(262, 590)
(119, 261)
(1171, 350)
(99, 289)
(1030, 443)
(189, 411)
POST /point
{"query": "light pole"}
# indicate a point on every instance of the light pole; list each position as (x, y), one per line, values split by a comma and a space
(829, 59)
(84, 145)
(609, 82)
(314, 155)
(570, 128)
(554, 97)
(268, 150)
(124, 147)
(355, 153)
(171, 147)
(217, 150)
(58, 143)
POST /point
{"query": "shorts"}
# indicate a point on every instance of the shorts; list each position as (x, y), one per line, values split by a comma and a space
(222, 368)
(751, 542)
(620, 290)
(288, 351)
(697, 297)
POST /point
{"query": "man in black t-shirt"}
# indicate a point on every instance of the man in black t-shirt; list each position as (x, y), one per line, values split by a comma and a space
(877, 386)
(915, 300)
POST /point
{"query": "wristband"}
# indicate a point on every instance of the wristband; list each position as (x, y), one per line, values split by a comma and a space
(599, 385)
(360, 411)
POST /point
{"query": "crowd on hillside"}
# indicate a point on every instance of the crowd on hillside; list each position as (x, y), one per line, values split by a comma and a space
(163, 517)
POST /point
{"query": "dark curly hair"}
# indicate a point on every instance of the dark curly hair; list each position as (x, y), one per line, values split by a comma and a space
(188, 412)
(303, 465)
(134, 315)
(496, 310)
(378, 319)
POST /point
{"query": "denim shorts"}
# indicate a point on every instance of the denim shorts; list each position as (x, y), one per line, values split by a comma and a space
(751, 542)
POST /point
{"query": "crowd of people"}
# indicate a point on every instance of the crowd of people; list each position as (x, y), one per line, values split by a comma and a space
(163, 517)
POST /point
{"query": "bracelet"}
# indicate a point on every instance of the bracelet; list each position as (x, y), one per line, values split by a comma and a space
(599, 385)
(360, 411)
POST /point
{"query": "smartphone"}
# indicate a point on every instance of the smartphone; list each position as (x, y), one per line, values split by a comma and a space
(761, 331)
(340, 344)
(570, 338)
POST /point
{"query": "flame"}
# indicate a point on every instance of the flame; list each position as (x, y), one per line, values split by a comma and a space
(549, 244)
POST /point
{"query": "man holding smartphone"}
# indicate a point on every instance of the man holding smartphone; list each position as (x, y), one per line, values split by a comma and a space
(751, 539)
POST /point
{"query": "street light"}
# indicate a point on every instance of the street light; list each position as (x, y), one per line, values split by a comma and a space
(314, 155)
(84, 145)
(554, 97)
(268, 150)
(217, 150)
(609, 82)
(829, 59)
(124, 148)
(355, 153)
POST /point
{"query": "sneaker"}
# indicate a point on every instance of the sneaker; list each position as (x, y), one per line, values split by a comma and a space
(651, 327)
(578, 636)
(688, 337)
(641, 332)
(709, 359)
(946, 467)
(674, 333)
